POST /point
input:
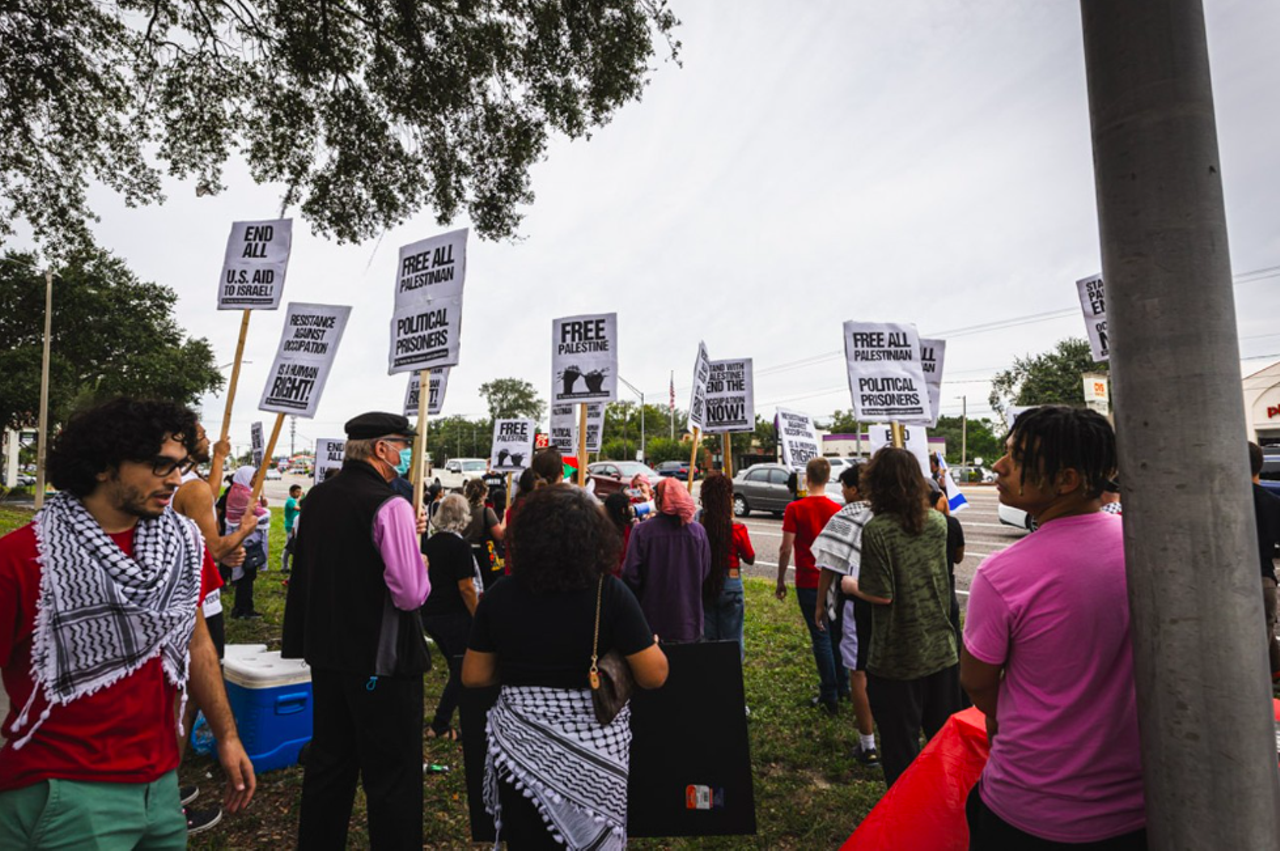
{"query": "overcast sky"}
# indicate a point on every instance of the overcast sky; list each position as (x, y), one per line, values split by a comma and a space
(923, 162)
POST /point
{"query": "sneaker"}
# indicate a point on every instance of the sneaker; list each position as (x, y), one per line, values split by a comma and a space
(198, 821)
(868, 758)
(188, 793)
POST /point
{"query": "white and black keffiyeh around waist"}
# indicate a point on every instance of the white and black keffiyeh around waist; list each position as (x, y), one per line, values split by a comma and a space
(549, 745)
(839, 546)
(101, 615)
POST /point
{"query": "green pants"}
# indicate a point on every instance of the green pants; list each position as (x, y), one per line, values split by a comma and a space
(75, 814)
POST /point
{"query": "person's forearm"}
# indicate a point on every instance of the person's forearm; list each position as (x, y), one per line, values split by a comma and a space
(225, 545)
(784, 560)
(985, 699)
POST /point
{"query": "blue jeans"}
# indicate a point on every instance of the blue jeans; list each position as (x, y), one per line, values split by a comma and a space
(832, 675)
(722, 620)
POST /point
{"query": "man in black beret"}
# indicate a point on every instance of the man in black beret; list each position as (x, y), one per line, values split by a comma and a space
(352, 613)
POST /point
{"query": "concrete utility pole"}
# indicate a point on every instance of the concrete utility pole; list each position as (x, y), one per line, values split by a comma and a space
(1204, 693)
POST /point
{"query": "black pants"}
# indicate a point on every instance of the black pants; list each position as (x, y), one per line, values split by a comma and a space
(989, 832)
(902, 708)
(376, 734)
(450, 633)
(218, 632)
(522, 826)
(243, 606)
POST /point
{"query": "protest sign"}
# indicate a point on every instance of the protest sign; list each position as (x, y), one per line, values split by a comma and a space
(1011, 414)
(914, 440)
(259, 443)
(799, 438)
(698, 396)
(427, 322)
(730, 397)
(308, 345)
(595, 425)
(255, 264)
(329, 452)
(885, 377)
(584, 362)
(512, 445)
(564, 429)
(1093, 301)
(438, 383)
(932, 355)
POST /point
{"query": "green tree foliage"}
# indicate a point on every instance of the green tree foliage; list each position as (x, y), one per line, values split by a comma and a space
(1049, 378)
(512, 397)
(844, 422)
(111, 335)
(368, 110)
(985, 441)
(458, 437)
(665, 449)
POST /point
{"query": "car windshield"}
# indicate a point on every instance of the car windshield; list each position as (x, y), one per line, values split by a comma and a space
(473, 466)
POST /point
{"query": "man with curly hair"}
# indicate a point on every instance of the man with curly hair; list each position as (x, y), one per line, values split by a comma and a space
(100, 629)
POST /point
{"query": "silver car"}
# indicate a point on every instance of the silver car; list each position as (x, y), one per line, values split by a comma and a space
(763, 487)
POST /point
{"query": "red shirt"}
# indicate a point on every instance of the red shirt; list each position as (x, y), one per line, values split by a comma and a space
(740, 547)
(125, 733)
(806, 518)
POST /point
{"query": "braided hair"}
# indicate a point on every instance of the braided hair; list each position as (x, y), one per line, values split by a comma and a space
(717, 519)
(1051, 438)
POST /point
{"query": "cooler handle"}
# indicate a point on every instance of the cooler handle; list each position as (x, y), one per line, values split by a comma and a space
(287, 704)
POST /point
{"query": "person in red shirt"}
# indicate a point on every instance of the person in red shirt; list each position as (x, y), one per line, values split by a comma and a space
(100, 629)
(803, 521)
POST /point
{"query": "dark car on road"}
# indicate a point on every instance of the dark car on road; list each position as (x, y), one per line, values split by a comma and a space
(1270, 476)
(763, 487)
(675, 470)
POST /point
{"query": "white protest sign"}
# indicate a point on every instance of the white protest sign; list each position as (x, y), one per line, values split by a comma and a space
(258, 442)
(584, 361)
(564, 428)
(885, 378)
(438, 383)
(1093, 301)
(932, 355)
(256, 260)
(799, 438)
(328, 456)
(427, 322)
(698, 397)
(1012, 412)
(308, 345)
(914, 440)
(731, 403)
(595, 425)
(1097, 392)
(512, 445)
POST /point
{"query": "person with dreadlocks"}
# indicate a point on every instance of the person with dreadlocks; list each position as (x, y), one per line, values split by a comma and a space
(1047, 653)
(722, 598)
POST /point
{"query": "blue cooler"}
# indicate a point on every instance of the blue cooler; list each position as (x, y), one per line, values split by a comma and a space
(271, 700)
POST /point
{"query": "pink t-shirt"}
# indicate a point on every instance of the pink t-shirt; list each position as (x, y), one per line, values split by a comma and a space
(1053, 610)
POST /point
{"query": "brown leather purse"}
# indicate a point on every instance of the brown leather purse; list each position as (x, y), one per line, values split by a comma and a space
(610, 677)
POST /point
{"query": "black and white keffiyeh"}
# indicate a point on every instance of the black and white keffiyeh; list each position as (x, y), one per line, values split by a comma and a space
(839, 546)
(549, 745)
(101, 615)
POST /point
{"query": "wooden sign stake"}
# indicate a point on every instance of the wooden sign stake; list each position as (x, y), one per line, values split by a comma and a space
(215, 470)
(582, 445)
(727, 452)
(895, 433)
(693, 455)
(259, 478)
(420, 445)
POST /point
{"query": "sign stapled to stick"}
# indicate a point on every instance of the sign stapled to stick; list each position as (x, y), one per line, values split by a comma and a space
(255, 264)
(933, 354)
(584, 362)
(258, 441)
(512, 445)
(329, 452)
(595, 425)
(698, 396)
(439, 382)
(730, 397)
(885, 377)
(427, 323)
(564, 429)
(799, 438)
(308, 345)
(1093, 301)
(914, 440)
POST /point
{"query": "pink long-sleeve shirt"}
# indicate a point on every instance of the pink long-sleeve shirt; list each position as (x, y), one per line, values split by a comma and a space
(395, 533)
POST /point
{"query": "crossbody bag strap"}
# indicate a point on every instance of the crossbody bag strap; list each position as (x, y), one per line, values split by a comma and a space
(594, 673)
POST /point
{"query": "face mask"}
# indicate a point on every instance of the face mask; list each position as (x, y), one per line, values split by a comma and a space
(406, 461)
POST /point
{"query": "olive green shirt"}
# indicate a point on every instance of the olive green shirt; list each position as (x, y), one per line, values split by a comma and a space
(912, 636)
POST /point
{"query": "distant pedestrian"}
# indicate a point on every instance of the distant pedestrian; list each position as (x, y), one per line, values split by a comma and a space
(483, 531)
(292, 508)
(723, 601)
(455, 590)
(668, 559)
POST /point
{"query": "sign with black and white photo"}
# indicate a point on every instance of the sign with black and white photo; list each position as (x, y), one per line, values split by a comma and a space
(885, 378)
(698, 396)
(1093, 301)
(564, 428)
(328, 456)
(512, 445)
(308, 345)
(731, 404)
(799, 438)
(427, 322)
(255, 264)
(584, 360)
(595, 425)
(914, 440)
(932, 355)
(258, 442)
(438, 383)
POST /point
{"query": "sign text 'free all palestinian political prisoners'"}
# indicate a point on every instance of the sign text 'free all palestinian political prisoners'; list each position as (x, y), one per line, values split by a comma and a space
(512, 445)
(933, 353)
(564, 427)
(255, 264)
(258, 442)
(427, 322)
(329, 452)
(885, 378)
(799, 438)
(584, 358)
(439, 382)
(308, 346)
(731, 404)
(1093, 301)
(698, 396)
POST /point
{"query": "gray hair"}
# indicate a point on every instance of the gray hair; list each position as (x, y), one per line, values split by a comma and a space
(359, 450)
(453, 514)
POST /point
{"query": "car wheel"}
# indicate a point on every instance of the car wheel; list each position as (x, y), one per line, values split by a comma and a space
(740, 507)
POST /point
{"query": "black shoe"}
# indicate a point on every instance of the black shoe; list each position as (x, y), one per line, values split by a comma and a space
(868, 758)
(198, 821)
(188, 793)
(831, 707)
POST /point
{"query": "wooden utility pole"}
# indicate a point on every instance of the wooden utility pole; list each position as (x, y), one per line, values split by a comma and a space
(42, 441)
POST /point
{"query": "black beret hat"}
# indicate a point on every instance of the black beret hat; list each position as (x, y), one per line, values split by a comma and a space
(378, 424)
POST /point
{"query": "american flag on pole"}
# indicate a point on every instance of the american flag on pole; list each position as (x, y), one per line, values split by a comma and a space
(673, 390)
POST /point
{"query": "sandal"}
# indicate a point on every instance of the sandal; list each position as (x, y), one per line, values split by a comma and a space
(449, 734)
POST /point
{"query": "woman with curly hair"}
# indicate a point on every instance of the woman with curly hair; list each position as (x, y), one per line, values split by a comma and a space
(722, 599)
(913, 666)
(551, 769)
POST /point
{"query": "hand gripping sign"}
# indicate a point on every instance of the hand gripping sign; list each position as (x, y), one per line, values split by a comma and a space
(885, 376)
(427, 322)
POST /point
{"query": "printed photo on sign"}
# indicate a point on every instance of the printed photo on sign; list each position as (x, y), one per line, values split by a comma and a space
(308, 346)
(255, 264)
(328, 456)
(932, 355)
(426, 324)
(584, 358)
(1093, 302)
(730, 397)
(914, 439)
(564, 428)
(258, 442)
(698, 396)
(439, 382)
(512, 445)
(799, 438)
(885, 378)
